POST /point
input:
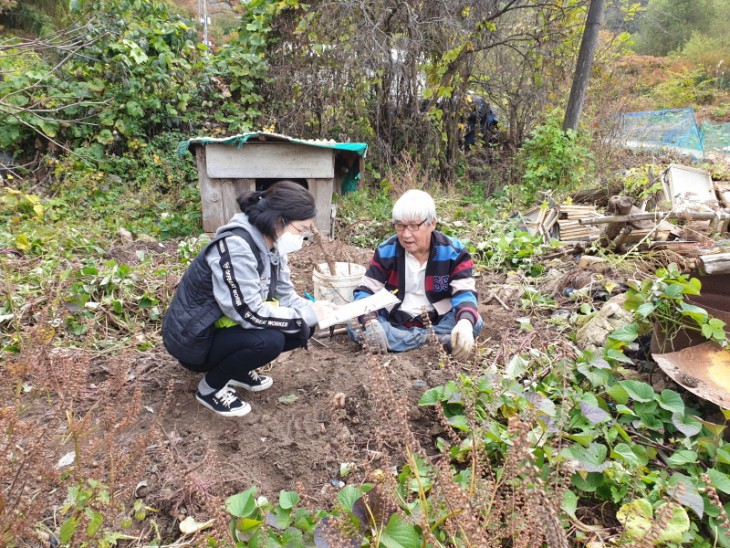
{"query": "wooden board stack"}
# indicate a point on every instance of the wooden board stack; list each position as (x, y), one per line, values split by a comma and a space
(571, 229)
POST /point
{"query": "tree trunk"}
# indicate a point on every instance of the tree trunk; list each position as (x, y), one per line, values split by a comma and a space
(583, 66)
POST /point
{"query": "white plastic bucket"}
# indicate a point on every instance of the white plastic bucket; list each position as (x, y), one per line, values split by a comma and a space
(338, 288)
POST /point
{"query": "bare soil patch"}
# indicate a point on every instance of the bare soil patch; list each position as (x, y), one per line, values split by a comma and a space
(322, 411)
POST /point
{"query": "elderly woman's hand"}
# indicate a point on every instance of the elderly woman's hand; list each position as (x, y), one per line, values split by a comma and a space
(462, 339)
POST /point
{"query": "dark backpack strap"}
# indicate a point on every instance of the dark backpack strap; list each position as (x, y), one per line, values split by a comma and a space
(272, 281)
(246, 235)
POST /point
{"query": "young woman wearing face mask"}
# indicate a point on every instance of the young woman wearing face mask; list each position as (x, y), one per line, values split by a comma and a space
(235, 308)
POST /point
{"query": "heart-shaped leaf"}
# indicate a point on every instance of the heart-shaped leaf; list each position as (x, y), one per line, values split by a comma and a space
(636, 517)
(593, 413)
(684, 491)
(638, 391)
(671, 401)
(688, 425)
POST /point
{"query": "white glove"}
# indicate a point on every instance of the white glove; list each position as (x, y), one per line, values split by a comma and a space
(462, 339)
(375, 339)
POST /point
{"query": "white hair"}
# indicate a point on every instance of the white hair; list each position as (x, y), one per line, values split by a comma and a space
(415, 205)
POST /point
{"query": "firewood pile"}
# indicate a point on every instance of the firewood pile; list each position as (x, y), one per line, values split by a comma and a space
(693, 204)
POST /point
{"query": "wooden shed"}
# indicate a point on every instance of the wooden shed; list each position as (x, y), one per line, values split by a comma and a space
(254, 161)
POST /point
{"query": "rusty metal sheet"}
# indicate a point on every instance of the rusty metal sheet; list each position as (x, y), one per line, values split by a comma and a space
(703, 369)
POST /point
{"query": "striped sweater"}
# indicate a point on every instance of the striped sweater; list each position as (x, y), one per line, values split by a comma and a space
(449, 281)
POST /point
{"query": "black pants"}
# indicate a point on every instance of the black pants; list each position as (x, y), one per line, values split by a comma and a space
(236, 351)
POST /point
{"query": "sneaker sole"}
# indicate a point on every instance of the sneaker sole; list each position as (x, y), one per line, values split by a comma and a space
(245, 409)
(257, 388)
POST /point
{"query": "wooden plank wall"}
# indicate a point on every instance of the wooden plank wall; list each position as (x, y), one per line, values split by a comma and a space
(321, 189)
(218, 195)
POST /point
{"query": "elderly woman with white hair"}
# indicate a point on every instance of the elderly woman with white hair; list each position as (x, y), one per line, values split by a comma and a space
(431, 274)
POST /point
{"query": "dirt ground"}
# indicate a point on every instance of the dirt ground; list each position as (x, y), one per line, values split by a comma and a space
(137, 423)
(326, 406)
(320, 412)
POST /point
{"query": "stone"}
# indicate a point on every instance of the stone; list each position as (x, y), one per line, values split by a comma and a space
(612, 316)
(588, 260)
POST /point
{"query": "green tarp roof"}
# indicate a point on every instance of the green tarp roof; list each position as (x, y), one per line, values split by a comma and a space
(239, 140)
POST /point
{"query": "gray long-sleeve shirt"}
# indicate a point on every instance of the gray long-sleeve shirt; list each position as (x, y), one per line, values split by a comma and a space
(241, 292)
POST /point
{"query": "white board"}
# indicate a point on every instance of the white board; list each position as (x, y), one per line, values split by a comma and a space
(688, 185)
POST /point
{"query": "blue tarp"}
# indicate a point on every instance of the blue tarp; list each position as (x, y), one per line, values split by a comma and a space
(239, 140)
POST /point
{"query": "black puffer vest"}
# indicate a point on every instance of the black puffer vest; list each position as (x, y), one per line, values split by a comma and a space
(187, 328)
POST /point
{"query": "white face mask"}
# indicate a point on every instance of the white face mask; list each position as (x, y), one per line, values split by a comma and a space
(289, 243)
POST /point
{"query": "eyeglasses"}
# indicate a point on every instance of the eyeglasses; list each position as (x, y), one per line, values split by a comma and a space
(306, 230)
(412, 227)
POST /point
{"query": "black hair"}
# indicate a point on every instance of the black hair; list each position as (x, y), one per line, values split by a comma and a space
(279, 204)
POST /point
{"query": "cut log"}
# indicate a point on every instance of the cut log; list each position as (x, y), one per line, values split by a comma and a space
(686, 215)
(718, 263)
(624, 205)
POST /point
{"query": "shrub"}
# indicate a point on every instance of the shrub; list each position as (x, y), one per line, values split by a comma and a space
(683, 89)
(130, 79)
(27, 17)
(712, 53)
(553, 159)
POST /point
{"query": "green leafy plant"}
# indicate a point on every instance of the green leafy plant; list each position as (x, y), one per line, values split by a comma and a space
(553, 159)
(659, 303)
(534, 301)
(85, 514)
(16, 205)
(242, 60)
(505, 247)
(258, 522)
(189, 248)
(130, 78)
(639, 452)
(687, 87)
(638, 185)
(28, 17)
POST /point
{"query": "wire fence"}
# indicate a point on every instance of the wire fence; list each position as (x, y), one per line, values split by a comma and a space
(716, 137)
(675, 129)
